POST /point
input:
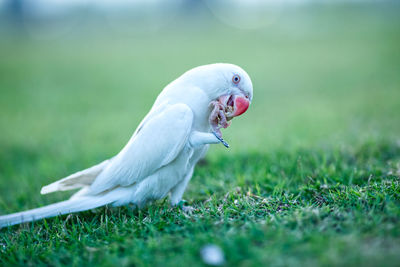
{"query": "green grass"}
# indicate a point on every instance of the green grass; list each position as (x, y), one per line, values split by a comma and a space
(312, 177)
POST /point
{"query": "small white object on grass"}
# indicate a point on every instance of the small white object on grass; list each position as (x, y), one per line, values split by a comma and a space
(212, 255)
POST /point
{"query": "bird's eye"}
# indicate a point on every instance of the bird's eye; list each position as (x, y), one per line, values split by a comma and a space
(236, 79)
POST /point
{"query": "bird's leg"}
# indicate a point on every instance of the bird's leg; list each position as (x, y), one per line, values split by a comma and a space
(178, 190)
(197, 139)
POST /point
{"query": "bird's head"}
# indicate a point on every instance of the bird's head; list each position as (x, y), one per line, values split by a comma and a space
(229, 89)
(235, 91)
(228, 84)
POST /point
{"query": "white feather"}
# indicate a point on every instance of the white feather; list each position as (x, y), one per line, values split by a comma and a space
(60, 208)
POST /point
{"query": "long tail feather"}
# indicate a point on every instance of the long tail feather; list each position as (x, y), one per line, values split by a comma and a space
(64, 207)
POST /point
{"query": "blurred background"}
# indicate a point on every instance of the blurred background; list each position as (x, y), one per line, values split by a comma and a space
(77, 76)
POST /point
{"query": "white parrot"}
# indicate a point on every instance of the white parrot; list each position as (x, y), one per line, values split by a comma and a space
(160, 156)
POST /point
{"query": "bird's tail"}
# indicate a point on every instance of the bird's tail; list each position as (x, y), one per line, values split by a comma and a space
(63, 207)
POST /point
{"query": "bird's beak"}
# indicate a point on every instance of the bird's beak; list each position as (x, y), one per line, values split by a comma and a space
(235, 105)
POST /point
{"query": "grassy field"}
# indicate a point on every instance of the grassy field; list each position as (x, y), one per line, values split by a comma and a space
(312, 176)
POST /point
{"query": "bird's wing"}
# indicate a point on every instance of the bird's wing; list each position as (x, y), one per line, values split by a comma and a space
(76, 180)
(155, 144)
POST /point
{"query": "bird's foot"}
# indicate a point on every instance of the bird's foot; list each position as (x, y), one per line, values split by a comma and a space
(185, 208)
(218, 120)
(217, 117)
(188, 209)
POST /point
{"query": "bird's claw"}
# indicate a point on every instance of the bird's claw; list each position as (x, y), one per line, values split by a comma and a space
(218, 120)
(221, 140)
(186, 209)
